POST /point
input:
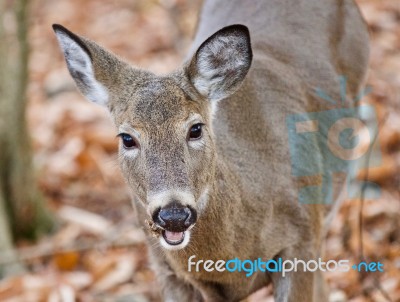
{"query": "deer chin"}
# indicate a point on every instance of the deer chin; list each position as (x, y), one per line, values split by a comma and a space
(174, 240)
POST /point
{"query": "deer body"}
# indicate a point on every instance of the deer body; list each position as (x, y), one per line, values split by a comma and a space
(229, 192)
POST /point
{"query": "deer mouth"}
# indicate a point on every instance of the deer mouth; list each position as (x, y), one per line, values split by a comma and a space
(173, 238)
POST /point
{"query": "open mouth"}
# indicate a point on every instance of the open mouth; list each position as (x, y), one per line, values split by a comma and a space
(173, 238)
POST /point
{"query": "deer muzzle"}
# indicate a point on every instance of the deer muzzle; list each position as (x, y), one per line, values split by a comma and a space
(174, 219)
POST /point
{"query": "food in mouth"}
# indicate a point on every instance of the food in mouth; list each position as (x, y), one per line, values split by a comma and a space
(153, 228)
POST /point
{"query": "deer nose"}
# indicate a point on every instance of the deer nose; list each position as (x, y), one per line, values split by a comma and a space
(175, 217)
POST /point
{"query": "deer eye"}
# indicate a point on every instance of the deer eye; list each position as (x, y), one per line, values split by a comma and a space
(195, 132)
(128, 141)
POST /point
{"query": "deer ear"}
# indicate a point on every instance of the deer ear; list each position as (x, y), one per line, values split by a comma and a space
(221, 63)
(80, 55)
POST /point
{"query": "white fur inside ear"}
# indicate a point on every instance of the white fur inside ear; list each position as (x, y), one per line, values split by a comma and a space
(206, 77)
(219, 66)
(81, 69)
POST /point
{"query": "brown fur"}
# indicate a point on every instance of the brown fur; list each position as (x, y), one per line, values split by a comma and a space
(252, 210)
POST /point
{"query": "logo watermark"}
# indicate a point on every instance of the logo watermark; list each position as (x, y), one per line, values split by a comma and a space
(250, 267)
(340, 140)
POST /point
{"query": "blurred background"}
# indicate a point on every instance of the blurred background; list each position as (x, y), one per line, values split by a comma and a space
(66, 223)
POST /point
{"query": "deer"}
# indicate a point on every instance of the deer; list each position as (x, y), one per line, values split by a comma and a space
(204, 149)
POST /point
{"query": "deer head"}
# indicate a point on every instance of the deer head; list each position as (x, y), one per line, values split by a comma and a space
(167, 149)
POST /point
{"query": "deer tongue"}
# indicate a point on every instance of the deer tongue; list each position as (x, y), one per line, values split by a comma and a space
(173, 237)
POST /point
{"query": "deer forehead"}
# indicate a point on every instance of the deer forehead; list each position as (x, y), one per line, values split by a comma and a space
(158, 104)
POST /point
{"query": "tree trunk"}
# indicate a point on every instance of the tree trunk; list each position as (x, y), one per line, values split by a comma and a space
(22, 213)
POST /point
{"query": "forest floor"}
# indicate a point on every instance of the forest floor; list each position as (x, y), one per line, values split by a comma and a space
(97, 253)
